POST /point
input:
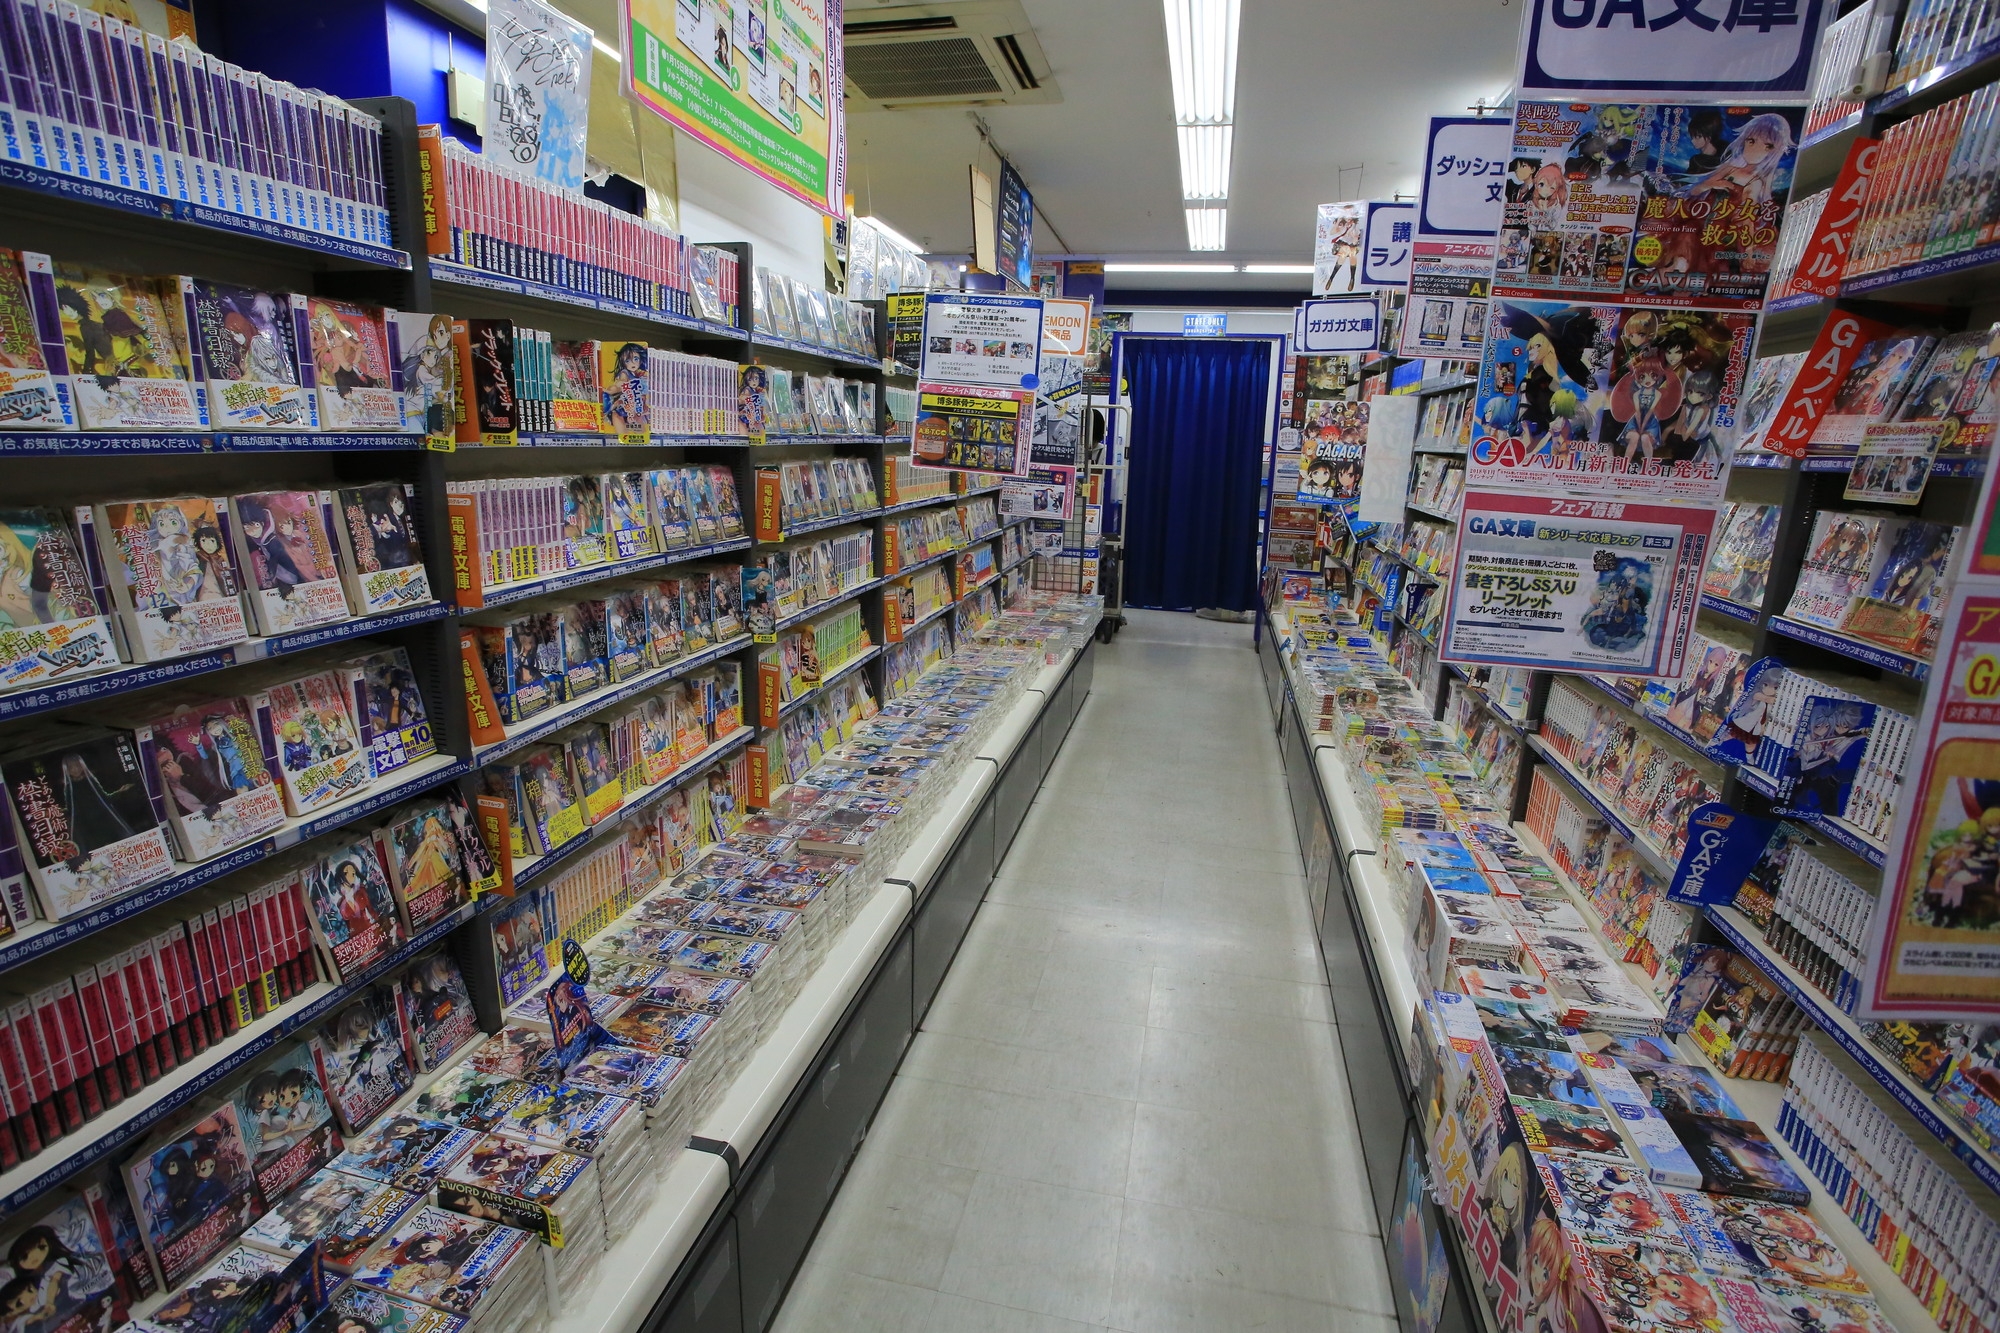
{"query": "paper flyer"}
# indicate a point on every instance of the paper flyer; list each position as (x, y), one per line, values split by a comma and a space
(969, 428)
(1337, 248)
(1575, 585)
(1894, 463)
(1636, 402)
(974, 339)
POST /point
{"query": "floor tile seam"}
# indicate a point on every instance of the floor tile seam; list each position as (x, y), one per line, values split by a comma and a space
(1065, 1092)
(1265, 1219)
(1095, 1326)
(1259, 1289)
(1025, 1046)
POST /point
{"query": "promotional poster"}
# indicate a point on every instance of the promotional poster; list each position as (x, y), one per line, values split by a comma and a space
(966, 428)
(1575, 585)
(1632, 401)
(974, 339)
(1666, 205)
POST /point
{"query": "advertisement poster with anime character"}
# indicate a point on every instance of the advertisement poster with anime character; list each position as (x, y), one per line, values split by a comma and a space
(1576, 585)
(1330, 465)
(1666, 205)
(1631, 401)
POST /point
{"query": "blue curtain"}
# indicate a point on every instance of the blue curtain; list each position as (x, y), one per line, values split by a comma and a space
(1198, 409)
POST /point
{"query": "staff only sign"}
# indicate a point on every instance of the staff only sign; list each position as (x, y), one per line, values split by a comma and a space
(1670, 50)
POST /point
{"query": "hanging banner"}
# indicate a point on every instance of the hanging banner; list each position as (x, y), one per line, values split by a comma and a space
(1350, 324)
(1337, 248)
(1467, 183)
(1664, 205)
(1696, 50)
(537, 91)
(1626, 401)
(973, 428)
(974, 339)
(1388, 236)
(759, 81)
(1575, 585)
(1934, 942)
(1824, 259)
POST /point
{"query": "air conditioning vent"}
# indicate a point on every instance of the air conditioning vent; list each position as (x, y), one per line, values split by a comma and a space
(975, 52)
(920, 71)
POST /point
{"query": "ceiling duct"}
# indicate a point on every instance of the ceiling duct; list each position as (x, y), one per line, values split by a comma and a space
(982, 53)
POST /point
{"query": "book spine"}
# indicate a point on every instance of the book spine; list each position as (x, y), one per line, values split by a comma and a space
(120, 135)
(23, 136)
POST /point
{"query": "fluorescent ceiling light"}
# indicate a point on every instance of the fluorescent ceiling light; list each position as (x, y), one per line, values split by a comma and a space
(1201, 49)
(1170, 268)
(1205, 161)
(611, 51)
(1208, 228)
(892, 234)
(1277, 268)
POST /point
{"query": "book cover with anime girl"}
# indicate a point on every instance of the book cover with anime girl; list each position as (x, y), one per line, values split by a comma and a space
(128, 346)
(249, 351)
(171, 574)
(50, 625)
(351, 367)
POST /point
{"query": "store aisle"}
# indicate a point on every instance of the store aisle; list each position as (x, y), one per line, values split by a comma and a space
(1126, 1109)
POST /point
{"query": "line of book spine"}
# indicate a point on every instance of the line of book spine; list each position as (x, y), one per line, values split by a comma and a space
(1936, 32)
(522, 228)
(75, 1045)
(1911, 1207)
(1935, 190)
(86, 95)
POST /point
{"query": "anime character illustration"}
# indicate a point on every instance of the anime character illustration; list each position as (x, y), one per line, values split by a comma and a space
(1618, 619)
(1642, 400)
(1752, 166)
(626, 409)
(1557, 351)
(1609, 149)
(270, 555)
(430, 376)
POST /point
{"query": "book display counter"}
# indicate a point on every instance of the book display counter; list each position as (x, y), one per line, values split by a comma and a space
(492, 586)
(1439, 1020)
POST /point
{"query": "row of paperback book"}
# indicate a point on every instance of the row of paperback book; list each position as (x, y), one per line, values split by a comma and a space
(559, 791)
(1602, 1170)
(511, 530)
(101, 808)
(812, 490)
(789, 309)
(557, 652)
(807, 734)
(804, 573)
(431, 1178)
(804, 655)
(102, 100)
(156, 579)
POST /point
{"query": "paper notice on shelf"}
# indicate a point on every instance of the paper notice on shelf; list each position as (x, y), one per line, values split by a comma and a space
(974, 339)
(1575, 585)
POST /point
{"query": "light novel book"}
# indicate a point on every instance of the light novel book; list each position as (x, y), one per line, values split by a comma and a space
(248, 341)
(50, 626)
(381, 559)
(171, 576)
(285, 550)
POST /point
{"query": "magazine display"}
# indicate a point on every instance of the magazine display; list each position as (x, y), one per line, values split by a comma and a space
(248, 341)
(128, 350)
(210, 766)
(51, 628)
(193, 1193)
(171, 575)
(307, 724)
(286, 1122)
(84, 823)
(379, 554)
(284, 546)
(355, 914)
(361, 1061)
(352, 368)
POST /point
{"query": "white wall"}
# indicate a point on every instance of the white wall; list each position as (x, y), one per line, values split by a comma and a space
(1155, 319)
(720, 201)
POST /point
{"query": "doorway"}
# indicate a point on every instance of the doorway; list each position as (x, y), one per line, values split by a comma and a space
(1201, 409)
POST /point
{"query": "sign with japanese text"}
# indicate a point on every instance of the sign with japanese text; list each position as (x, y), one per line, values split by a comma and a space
(1670, 50)
(1631, 402)
(973, 428)
(1825, 257)
(1934, 942)
(1388, 239)
(974, 339)
(763, 85)
(537, 91)
(1666, 205)
(1458, 215)
(1349, 324)
(1811, 393)
(1065, 327)
(1205, 323)
(1561, 584)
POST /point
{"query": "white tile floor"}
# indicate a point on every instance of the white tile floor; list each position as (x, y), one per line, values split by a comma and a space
(1126, 1109)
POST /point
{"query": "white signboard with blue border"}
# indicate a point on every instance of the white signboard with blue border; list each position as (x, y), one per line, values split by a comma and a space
(1670, 50)
(1344, 324)
(1465, 178)
(1387, 241)
(970, 338)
